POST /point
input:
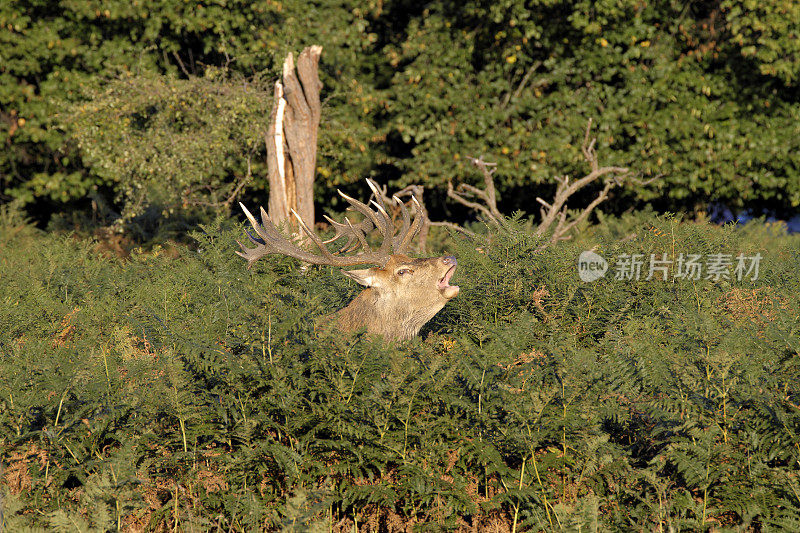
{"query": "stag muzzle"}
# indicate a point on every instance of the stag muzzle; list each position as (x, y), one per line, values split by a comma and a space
(447, 290)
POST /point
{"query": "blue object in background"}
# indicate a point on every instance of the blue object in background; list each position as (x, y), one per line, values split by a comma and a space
(720, 214)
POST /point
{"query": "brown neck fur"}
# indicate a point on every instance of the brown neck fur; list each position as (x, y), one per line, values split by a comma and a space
(385, 316)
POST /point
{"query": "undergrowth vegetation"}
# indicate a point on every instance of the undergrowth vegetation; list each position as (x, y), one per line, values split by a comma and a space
(190, 393)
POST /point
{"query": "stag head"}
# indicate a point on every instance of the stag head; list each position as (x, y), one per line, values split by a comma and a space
(402, 293)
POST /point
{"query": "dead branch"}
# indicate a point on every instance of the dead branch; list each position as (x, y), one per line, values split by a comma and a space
(464, 193)
(180, 63)
(454, 226)
(556, 220)
(509, 96)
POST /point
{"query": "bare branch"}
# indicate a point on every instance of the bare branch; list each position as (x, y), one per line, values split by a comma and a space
(455, 227)
(509, 96)
(240, 186)
(487, 204)
(556, 219)
(565, 227)
(645, 182)
(180, 63)
(555, 213)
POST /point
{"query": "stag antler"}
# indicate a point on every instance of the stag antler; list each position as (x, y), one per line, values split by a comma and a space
(271, 241)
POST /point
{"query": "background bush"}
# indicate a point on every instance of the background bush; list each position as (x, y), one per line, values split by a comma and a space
(191, 392)
(701, 92)
(177, 389)
(174, 144)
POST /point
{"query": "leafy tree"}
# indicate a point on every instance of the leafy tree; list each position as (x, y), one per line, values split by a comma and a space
(768, 33)
(173, 142)
(665, 81)
(55, 55)
(702, 93)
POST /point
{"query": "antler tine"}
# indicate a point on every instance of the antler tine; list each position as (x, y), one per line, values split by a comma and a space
(383, 223)
(270, 240)
(388, 227)
(380, 195)
(410, 233)
(406, 218)
(361, 208)
(353, 232)
(360, 235)
(275, 243)
(381, 209)
(313, 236)
(264, 232)
(256, 226)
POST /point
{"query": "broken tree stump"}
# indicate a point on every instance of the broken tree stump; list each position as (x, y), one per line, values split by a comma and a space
(292, 139)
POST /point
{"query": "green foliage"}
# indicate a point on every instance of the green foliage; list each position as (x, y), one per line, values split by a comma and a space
(53, 55)
(767, 32)
(683, 90)
(664, 82)
(173, 142)
(193, 393)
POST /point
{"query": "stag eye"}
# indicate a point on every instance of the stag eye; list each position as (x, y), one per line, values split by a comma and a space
(404, 271)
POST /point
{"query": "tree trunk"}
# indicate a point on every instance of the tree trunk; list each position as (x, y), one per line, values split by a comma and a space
(292, 139)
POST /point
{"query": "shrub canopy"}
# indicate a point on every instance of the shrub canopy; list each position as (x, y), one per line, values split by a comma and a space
(703, 93)
(194, 391)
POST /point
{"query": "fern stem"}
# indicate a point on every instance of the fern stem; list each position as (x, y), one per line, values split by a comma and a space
(480, 392)
(724, 410)
(355, 379)
(60, 404)
(175, 511)
(180, 419)
(183, 434)
(105, 364)
(72, 454)
(116, 496)
(541, 486)
(516, 507)
(269, 337)
(405, 425)
(791, 486)
(705, 490)
(705, 503)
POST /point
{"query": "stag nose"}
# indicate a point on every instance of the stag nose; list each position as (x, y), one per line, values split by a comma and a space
(449, 260)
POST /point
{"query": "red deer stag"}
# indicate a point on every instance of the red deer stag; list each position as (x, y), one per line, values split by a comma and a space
(402, 293)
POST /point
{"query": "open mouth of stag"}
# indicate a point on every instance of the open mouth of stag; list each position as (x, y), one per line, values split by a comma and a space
(449, 291)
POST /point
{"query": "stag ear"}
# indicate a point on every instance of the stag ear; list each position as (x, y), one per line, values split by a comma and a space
(367, 277)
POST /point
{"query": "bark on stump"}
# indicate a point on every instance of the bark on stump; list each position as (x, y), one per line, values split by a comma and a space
(292, 140)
